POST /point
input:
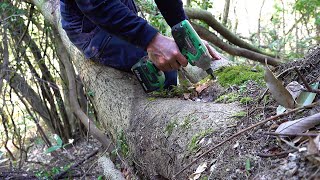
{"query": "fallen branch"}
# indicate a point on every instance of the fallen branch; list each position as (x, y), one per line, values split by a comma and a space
(16, 175)
(85, 120)
(245, 130)
(285, 153)
(110, 171)
(208, 18)
(306, 84)
(58, 176)
(236, 51)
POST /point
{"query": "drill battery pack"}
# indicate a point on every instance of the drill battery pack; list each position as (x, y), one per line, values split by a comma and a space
(148, 75)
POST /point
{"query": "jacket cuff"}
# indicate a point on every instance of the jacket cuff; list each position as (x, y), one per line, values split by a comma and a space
(146, 36)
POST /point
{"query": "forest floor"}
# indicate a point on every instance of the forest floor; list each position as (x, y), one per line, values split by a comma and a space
(254, 154)
(42, 165)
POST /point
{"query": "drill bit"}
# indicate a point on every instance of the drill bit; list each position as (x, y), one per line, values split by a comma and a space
(210, 72)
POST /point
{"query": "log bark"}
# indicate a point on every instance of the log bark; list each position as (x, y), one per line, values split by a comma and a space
(123, 107)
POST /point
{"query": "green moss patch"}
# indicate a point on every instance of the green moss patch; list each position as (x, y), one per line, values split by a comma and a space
(237, 75)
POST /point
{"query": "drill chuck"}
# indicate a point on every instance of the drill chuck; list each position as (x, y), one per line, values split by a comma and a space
(191, 45)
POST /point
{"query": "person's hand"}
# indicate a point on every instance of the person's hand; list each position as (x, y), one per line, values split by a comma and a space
(165, 54)
(215, 56)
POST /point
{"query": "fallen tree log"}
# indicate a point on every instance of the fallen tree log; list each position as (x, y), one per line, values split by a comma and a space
(158, 131)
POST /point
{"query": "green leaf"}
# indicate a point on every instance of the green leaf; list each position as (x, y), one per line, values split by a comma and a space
(58, 140)
(100, 177)
(306, 98)
(90, 93)
(4, 5)
(53, 148)
(280, 109)
(248, 166)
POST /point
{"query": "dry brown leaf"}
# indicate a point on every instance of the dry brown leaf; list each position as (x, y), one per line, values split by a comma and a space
(313, 150)
(201, 87)
(186, 95)
(294, 89)
(196, 175)
(312, 147)
(278, 91)
(299, 125)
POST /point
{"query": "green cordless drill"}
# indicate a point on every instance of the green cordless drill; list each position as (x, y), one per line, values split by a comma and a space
(190, 45)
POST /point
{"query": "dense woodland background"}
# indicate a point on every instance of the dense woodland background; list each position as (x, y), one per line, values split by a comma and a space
(42, 94)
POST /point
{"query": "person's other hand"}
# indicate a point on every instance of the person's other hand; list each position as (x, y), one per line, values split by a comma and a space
(212, 51)
(165, 54)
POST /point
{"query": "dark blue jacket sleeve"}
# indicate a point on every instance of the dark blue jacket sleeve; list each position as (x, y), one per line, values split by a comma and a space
(172, 11)
(118, 19)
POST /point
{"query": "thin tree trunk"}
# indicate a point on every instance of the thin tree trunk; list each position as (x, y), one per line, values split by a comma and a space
(46, 83)
(19, 84)
(226, 12)
(318, 33)
(89, 124)
(259, 24)
(188, 4)
(4, 75)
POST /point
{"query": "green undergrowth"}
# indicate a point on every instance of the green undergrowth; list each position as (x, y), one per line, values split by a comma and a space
(239, 74)
(194, 144)
(232, 97)
(175, 91)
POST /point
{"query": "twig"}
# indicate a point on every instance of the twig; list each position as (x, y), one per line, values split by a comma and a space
(96, 161)
(16, 175)
(291, 134)
(73, 176)
(284, 153)
(314, 175)
(58, 176)
(245, 130)
(28, 24)
(289, 144)
(306, 84)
